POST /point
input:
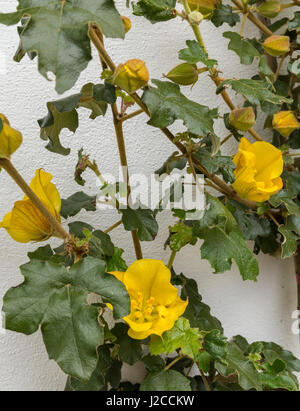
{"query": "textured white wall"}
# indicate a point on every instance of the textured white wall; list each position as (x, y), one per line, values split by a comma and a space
(259, 310)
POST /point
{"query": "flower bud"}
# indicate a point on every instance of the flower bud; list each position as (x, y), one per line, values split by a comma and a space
(131, 76)
(285, 123)
(242, 118)
(269, 9)
(277, 45)
(126, 23)
(184, 74)
(205, 7)
(195, 17)
(10, 139)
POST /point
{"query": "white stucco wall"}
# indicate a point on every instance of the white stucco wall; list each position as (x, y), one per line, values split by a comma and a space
(259, 311)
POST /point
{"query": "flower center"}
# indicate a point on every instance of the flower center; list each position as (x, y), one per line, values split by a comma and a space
(144, 310)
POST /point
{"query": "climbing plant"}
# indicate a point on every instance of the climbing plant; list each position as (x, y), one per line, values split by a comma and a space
(251, 198)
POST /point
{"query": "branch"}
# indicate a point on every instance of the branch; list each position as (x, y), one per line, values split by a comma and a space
(97, 38)
(252, 18)
(58, 229)
(230, 192)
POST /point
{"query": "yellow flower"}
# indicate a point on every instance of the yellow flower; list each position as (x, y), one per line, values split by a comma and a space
(25, 222)
(10, 139)
(155, 304)
(277, 45)
(285, 123)
(126, 23)
(258, 169)
(131, 76)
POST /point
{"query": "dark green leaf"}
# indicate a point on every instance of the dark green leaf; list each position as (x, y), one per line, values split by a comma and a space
(174, 161)
(166, 104)
(181, 235)
(283, 381)
(130, 350)
(283, 197)
(25, 305)
(224, 14)
(294, 24)
(242, 47)
(155, 10)
(104, 244)
(166, 381)
(290, 241)
(89, 274)
(71, 332)
(196, 311)
(42, 253)
(273, 351)
(97, 380)
(216, 345)
(77, 227)
(142, 220)
(250, 224)
(153, 363)
(66, 29)
(76, 202)
(248, 377)
(220, 248)
(63, 113)
(113, 374)
(256, 91)
(116, 262)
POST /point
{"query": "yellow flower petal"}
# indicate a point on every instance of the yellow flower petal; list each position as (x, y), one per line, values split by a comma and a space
(118, 274)
(258, 169)
(25, 222)
(151, 278)
(46, 192)
(10, 139)
(138, 326)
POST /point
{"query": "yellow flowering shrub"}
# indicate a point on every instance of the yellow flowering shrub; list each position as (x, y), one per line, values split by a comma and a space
(25, 222)
(155, 304)
(258, 170)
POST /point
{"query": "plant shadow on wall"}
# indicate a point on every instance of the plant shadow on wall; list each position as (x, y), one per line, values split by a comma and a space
(254, 195)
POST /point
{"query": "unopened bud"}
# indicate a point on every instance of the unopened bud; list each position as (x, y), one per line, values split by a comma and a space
(242, 118)
(206, 7)
(126, 23)
(277, 45)
(195, 17)
(131, 76)
(10, 139)
(184, 74)
(285, 123)
(269, 9)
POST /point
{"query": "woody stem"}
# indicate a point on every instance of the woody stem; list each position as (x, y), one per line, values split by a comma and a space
(171, 260)
(123, 159)
(58, 229)
(213, 74)
(253, 19)
(97, 38)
